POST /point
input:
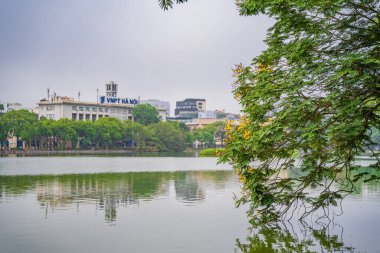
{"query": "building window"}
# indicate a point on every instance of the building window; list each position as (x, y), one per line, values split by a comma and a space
(50, 108)
(100, 116)
(50, 116)
(81, 108)
(87, 116)
(112, 110)
(124, 111)
(117, 111)
(74, 116)
(93, 117)
(105, 109)
(100, 109)
(74, 108)
(87, 109)
(80, 116)
(94, 109)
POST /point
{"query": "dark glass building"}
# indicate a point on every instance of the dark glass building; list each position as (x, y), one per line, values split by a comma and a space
(190, 107)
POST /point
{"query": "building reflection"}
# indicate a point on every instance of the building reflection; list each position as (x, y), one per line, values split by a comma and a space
(111, 191)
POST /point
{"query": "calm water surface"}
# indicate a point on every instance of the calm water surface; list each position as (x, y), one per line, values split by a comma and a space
(159, 204)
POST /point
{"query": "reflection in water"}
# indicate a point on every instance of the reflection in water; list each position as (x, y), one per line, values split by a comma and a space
(326, 233)
(112, 190)
(177, 210)
(280, 239)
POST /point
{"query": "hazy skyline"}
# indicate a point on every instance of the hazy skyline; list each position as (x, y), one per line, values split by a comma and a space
(79, 45)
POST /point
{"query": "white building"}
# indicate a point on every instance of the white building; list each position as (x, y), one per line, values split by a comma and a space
(163, 107)
(66, 107)
(6, 107)
(58, 107)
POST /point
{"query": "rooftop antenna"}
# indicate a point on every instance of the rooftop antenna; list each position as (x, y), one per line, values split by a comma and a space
(79, 96)
(48, 93)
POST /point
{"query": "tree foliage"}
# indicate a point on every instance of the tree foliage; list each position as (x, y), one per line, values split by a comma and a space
(145, 114)
(319, 77)
(166, 4)
(169, 137)
(104, 133)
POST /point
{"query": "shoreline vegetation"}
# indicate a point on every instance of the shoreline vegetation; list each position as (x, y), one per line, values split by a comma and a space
(131, 152)
(22, 130)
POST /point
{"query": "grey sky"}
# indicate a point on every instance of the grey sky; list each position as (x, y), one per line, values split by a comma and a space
(72, 45)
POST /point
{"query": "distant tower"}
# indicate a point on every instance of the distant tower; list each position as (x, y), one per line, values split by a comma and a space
(111, 89)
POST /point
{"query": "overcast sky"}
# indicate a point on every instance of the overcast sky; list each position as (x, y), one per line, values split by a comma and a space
(79, 45)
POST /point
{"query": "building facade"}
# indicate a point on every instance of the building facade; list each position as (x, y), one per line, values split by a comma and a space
(66, 107)
(190, 107)
(58, 107)
(6, 107)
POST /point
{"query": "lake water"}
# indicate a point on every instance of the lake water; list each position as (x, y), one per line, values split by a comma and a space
(155, 204)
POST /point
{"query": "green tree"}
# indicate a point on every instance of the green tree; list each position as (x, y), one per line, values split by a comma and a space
(319, 77)
(138, 136)
(204, 137)
(169, 137)
(45, 133)
(145, 114)
(109, 131)
(63, 132)
(17, 123)
(4, 129)
(86, 132)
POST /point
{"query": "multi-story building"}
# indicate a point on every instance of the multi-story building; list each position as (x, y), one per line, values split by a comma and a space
(58, 107)
(6, 107)
(163, 107)
(190, 107)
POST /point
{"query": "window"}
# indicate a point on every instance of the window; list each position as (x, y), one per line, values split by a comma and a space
(50, 108)
(94, 109)
(100, 109)
(50, 116)
(105, 109)
(87, 109)
(74, 116)
(87, 116)
(80, 116)
(81, 108)
(93, 117)
(74, 108)
(112, 110)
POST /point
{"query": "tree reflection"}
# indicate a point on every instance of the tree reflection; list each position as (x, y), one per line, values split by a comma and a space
(278, 238)
(110, 191)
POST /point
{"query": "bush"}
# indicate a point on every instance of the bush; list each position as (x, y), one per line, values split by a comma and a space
(211, 152)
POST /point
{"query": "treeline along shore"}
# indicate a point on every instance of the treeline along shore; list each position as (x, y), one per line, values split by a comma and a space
(105, 135)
